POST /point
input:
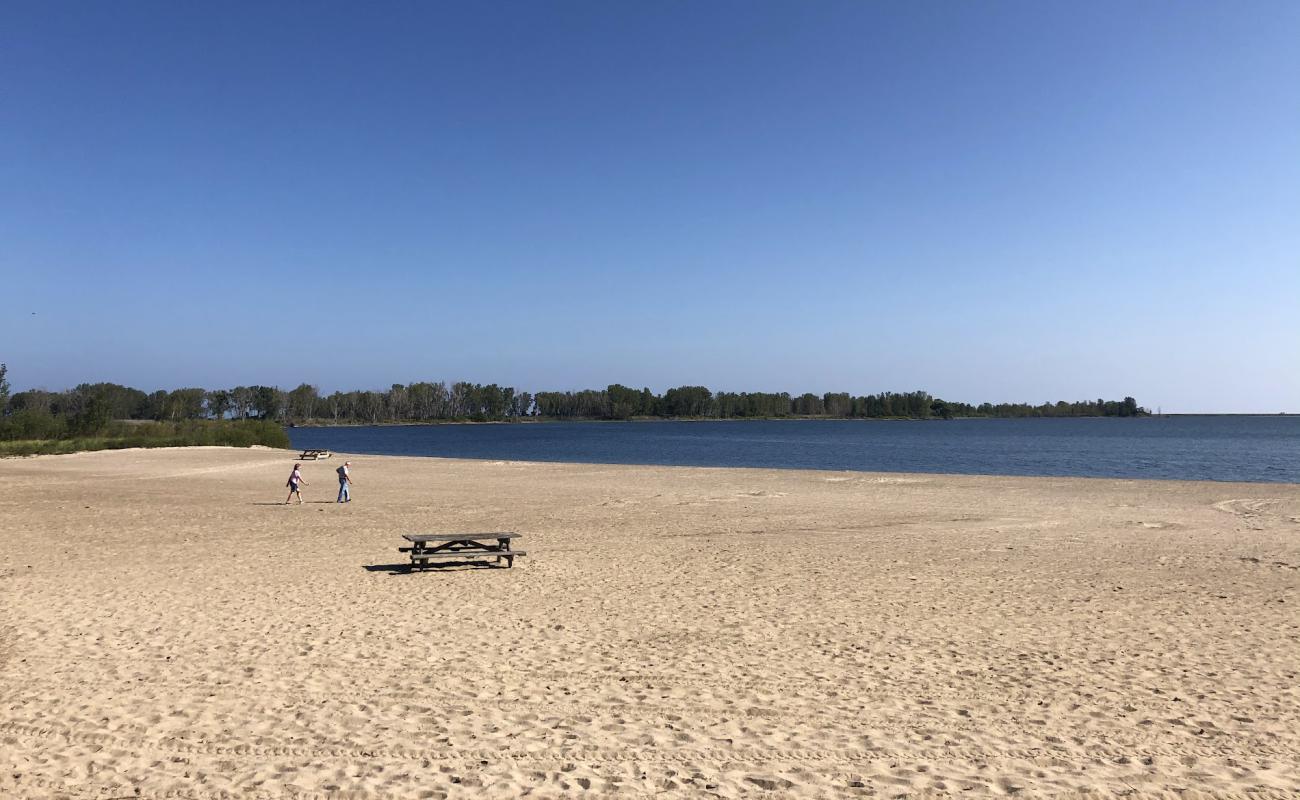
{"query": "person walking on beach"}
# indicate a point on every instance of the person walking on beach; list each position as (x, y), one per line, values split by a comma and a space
(295, 479)
(345, 483)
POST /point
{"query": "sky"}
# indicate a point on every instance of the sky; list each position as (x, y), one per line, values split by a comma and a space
(1003, 201)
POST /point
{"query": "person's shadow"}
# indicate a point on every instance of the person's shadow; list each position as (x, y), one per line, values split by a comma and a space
(305, 502)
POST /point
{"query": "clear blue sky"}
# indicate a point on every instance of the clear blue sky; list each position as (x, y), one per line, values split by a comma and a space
(991, 201)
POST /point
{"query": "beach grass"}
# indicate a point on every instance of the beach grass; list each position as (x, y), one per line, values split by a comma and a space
(123, 435)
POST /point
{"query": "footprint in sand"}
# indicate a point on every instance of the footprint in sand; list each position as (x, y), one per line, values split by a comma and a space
(875, 479)
(1282, 564)
(1157, 525)
(1246, 506)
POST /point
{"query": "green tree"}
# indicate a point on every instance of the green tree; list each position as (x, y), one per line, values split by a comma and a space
(370, 405)
(92, 419)
(268, 401)
(30, 422)
(33, 400)
(420, 397)
(303, 401)
(123, 402)
(490, 402)
(241, 401)
(218, 403)
(398, 401)
(836, 404)
(688, 401)
(4, 387)
(155, 405)
(809, 404)
(185, 404)
(523, 405)
(459, 399)
(623, 401)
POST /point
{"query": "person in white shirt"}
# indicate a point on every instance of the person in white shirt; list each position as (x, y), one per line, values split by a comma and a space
(295, 479)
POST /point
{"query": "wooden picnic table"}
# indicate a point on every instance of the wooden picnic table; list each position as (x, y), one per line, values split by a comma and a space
(426, 547)
(313, 455)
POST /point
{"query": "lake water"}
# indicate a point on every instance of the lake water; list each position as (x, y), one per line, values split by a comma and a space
(1190, 448)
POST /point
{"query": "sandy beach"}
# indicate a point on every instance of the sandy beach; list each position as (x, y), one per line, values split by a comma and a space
(170, 629)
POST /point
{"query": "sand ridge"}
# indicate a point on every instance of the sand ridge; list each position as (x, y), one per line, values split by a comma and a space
(170, 630)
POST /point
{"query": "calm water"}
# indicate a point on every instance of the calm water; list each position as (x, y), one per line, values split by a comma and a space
(1194, 448)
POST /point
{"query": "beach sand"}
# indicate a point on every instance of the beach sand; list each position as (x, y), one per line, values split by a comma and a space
(167, 629)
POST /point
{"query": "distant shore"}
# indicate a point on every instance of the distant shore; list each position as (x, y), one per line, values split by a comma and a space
(546, 420)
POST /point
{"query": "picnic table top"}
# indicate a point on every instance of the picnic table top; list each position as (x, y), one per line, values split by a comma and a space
(455, 537)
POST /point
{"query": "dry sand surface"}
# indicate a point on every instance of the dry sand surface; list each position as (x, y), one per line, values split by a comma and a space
(169, 630)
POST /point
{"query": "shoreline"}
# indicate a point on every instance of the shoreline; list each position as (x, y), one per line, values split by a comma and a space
(339, 456)
(553, 420)
(649, 464)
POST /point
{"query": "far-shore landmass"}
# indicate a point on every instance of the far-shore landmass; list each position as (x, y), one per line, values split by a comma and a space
(99, 416)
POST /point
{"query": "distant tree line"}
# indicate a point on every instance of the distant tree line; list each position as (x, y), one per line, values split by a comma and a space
(106, 416)
(621, 402)
(86, 409)
(1127, 407)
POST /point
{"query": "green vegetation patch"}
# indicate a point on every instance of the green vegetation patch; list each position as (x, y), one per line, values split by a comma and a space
(121, 435)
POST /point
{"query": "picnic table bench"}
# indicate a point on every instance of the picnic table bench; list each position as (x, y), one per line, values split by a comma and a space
(426, 547)
(312, 455)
